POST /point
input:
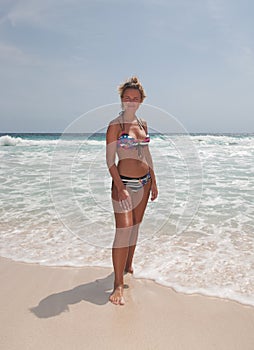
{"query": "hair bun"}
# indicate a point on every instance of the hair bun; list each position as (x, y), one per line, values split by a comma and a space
(134, 80)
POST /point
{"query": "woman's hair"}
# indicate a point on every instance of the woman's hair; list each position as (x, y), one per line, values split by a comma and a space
(132, 83)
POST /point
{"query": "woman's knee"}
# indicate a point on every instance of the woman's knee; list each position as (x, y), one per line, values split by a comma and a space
(122, 237)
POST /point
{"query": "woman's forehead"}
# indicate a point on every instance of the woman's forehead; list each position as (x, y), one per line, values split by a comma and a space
(131, 92)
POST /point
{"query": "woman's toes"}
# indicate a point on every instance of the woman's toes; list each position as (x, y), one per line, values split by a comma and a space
(117, 296)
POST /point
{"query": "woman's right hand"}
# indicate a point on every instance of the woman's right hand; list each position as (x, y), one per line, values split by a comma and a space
(124, 199)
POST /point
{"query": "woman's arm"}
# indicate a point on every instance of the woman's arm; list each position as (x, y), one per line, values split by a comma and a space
(111, 144)
(154, 189)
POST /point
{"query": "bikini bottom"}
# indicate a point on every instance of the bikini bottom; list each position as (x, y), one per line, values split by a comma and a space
(135, 183)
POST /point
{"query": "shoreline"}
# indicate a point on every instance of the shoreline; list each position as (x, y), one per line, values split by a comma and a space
(160, 284)
(67, 308)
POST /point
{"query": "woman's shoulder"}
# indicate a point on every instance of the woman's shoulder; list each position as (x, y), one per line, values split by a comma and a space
(114, 125)
(115, 121)
(143, 123)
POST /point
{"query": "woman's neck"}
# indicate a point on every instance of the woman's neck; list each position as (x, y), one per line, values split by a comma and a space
(129, 117)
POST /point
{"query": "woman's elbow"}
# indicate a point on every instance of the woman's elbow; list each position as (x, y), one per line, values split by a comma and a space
(110, 162)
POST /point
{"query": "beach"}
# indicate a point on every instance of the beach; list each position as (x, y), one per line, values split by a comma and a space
(193, 286)
(81, 127)
(67, 308)
(196, 238)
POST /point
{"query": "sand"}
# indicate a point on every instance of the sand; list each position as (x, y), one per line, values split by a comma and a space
(67, 308)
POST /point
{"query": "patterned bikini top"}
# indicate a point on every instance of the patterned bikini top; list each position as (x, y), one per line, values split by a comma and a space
(126, 141)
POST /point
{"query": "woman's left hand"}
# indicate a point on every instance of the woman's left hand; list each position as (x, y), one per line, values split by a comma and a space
(154, 192)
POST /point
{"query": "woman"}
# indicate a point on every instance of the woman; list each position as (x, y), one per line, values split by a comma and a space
(133, 179)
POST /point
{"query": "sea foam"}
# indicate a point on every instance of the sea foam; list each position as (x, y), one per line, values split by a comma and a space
(48, 220)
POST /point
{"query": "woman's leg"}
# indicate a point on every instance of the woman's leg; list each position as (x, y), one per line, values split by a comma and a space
(127, 226)
(140, 200)
(124, 223)
(121, 246)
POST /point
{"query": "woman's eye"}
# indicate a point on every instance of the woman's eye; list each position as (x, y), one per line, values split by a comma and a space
(128, 99)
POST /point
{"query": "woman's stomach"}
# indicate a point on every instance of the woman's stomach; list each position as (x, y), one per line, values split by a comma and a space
(132, 167)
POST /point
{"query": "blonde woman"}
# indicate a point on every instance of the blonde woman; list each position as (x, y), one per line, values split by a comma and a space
(133, 179)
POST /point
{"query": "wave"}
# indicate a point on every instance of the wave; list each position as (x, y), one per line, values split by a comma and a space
(9, 141)
(48, 140)
(214, 257)
(99, 139)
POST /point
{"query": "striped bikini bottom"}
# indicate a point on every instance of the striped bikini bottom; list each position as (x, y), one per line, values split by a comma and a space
(135, 183)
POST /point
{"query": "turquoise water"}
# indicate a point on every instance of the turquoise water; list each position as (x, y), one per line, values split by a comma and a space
(197, 237)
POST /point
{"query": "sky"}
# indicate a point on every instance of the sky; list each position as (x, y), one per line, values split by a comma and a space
(60, 59)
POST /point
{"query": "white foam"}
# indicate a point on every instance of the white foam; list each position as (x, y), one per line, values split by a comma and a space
(9, 141)
(212, 257)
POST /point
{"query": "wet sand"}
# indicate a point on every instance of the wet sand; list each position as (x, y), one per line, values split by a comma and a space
(68, 308)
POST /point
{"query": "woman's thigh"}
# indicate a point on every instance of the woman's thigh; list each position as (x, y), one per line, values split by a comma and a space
(123, 218)
(140, 200)
(127, 222)
(139, 203)
(124, 223)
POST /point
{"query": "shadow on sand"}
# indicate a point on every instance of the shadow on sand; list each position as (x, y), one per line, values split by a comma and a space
(96, 292)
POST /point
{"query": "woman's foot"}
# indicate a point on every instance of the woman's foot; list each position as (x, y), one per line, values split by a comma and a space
(128, 269)
(117, 296)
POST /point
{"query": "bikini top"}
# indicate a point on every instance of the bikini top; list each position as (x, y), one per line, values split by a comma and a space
(125, 141)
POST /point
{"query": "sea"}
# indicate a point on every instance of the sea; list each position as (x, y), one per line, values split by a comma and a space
(196, 237)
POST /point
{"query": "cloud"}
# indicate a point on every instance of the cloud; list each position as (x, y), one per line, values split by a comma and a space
(216, 10)
(235, 33)
(35, 12)
(12, 54)
(29, 11)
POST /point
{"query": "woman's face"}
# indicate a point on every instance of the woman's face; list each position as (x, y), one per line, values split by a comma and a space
(131, 99)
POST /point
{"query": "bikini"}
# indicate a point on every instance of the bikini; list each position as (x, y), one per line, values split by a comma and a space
(135, 183)
(126, 142)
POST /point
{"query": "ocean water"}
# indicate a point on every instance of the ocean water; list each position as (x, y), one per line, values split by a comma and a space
(197, 237)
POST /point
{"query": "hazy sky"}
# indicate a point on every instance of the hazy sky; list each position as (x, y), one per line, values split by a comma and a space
(62, 58)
